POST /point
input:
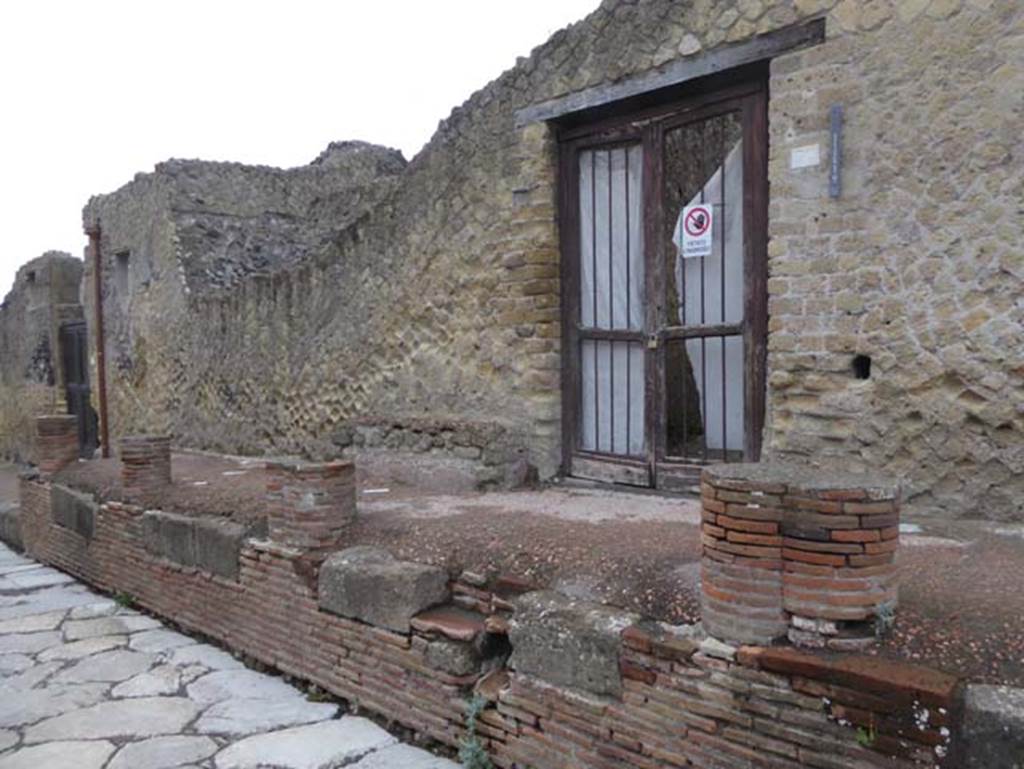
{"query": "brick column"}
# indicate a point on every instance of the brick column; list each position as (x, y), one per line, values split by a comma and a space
(310, 503)
(56, 442)
(145, 466)
(799, 553)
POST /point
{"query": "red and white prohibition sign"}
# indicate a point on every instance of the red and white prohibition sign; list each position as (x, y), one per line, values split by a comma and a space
(696, 221)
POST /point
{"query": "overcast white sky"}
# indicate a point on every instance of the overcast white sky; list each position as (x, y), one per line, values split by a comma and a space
(93, 92)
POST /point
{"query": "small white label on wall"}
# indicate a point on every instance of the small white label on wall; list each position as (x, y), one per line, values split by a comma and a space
(805, 157)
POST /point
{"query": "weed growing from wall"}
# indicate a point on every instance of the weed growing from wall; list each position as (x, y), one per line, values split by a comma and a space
(472, 753)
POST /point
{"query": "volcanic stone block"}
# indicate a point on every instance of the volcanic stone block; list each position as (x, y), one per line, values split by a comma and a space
(568, 642)
(170, 535)
(993, 732)
(218, 543)
(10, 528)
(368, 584)
(460, 658)
(73, 510)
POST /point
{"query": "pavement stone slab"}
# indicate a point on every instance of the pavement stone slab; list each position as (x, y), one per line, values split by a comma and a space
(75, 630)
(36, 704)
(112, 666)
(242, 717)
(165, 679)
(240, 684)
(93, 610)
(205, 655)
(30, 677)
(28, 643)
(320, 746)
(31, 579)
(14, 663)
(159, 640)
(163, 752)
(403, 757)
(17, 569)
(45, 600)
(9, 558)
(60, 755)
(8, 738)
(85, 648)
(135, 718)
(33, 624)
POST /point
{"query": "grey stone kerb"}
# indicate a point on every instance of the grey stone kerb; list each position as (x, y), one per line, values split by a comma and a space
(73, 510)
(569, 642)
(993, 732)
(369, 584)
(210, 544)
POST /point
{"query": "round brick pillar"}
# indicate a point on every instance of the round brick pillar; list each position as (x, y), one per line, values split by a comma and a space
(310, 504)
(795, 552)
(56, 442)
(145, 466)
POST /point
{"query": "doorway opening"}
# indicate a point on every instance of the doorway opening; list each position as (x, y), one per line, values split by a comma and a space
(663, 213)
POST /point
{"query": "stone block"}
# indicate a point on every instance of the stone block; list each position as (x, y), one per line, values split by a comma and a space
(10, 528)
(568, 642)
(170, 536)
(993, 730)
(217, 545)
(73, 510)
(369, 584)
(459, 658)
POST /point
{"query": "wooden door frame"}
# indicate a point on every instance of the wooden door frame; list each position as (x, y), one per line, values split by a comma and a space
(645, 126)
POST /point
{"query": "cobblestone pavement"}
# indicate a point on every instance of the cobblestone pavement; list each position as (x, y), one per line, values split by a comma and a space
(88, 684)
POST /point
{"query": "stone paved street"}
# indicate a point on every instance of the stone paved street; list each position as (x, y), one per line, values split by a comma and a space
(88, 684)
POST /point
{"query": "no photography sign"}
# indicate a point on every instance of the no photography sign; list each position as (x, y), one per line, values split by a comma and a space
(696, 231)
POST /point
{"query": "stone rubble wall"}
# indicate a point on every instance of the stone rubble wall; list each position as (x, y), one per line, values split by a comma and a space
(669, 696)
(918, 265)
(45, 295)
(274, 306)
(475, 454)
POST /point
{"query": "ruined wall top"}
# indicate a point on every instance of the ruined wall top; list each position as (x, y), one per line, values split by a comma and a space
(29, 311)
(230, 220)
(52, 277)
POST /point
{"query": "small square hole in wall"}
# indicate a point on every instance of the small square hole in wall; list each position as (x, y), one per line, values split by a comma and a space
(861, 366)
(121, 272)
(31, 277)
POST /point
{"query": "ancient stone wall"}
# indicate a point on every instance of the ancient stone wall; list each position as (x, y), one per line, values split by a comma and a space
(918, 266)
(44, 296)
(440, 298)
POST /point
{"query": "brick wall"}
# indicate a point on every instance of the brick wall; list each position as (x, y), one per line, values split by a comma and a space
(145, 465)
(684, 702)
(56, 444)
(808, 555)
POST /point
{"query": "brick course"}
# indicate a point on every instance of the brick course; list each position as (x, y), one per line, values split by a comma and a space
(310, 504)
(56, 442)
(145, 466)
